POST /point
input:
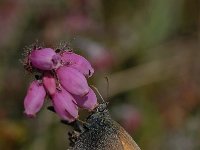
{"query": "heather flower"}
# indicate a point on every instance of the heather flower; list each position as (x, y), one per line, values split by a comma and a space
(44, 59)
(88, 101)
(78, 62)
(72, 80)
(49, 83)
(65, 105)
(63, 78)
(34, 98)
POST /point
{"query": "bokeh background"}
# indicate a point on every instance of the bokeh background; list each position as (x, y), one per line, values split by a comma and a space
(149, 50)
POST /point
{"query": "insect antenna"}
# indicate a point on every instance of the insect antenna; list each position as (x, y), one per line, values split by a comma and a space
(108, 87)
(98, 93)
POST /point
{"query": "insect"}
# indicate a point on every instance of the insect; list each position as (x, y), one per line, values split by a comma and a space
(100, 132)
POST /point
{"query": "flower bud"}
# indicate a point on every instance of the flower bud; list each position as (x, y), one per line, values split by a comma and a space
(34, 98)
(49, 83)
(78, 62)
(72, 80)
(88, 101)
(65, 105)
(44, 59)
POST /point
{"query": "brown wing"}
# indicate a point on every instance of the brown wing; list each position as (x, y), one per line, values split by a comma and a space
(104, 134)
(126, 140)
(99, 138)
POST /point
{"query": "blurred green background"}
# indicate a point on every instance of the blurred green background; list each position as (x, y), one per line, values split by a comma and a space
(149, 49)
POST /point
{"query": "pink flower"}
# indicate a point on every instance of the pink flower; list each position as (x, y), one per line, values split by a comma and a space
(64, 80)
(78, 62)
(72, 80)
(88, 101)
(49, 83)
(34, 99)
(44, 59)
(65, 105)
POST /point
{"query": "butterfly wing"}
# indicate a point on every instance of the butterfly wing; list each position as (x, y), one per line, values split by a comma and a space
(126, 140)
(103, 133)
(98, 138)
(108, 135)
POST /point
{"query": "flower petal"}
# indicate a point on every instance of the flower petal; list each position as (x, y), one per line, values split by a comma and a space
(34, 98)
(78, 62)
(49, 83)
(88, 101)
(44, 59)
(65, 105)
(72, 80)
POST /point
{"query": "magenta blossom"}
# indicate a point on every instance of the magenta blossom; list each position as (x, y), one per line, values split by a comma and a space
(34, 98)
(78, 62)
(72, 80)
(44, 59)
(49, 83)
(88, 101)
(65, 105)
(63, 77)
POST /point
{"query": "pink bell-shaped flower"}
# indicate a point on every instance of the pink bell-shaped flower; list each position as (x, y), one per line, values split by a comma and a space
(34, 99)
(88, 101)
(49, 83)
(44, 59)
(65, 105)
(72, 80)
(78, 62)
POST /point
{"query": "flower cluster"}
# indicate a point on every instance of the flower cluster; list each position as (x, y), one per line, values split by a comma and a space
(63, 78)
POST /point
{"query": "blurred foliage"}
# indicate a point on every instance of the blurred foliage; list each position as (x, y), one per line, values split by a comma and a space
(149, 49)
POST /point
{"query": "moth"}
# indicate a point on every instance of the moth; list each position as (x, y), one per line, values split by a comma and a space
(100, 132)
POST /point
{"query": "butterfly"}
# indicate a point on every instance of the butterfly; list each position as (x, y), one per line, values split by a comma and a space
(100, 132)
